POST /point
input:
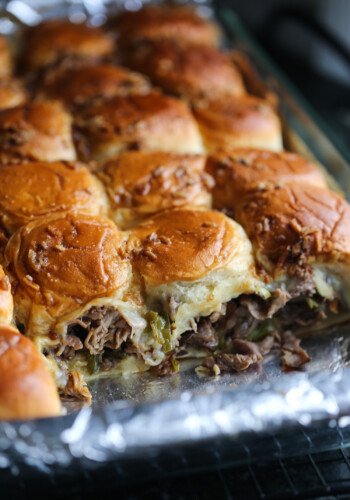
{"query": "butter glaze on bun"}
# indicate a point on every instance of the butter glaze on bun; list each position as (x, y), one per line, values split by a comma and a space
(12, 93)
(297, 224)
(187, 70)
(74, 83)
(61, 263)
(245, 121)
(36, 131)
(31, 190)
(159, 21)
(140, 184)
(239, 171)
(6, 300)
(185, 244)
(6, 65)
(27, 389)
(55, 39)
(153, 121)
(192, 262)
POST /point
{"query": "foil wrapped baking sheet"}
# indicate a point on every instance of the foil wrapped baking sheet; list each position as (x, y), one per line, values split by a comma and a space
(140, 416)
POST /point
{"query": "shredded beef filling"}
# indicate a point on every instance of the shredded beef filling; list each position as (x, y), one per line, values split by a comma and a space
(100, 328)
(100, 333)
(251, 321)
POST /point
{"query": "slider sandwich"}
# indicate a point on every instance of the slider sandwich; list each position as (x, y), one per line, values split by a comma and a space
(55, 39)
(142, 183)
(154, 22)
(187, 70)
(77, 82)
(31, 190)
(150, 122)
(75, 295)
(36, 131)
(27, 389)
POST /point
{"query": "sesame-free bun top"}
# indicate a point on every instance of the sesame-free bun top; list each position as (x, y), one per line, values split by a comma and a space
(6, 300)
(185, 245)
(34, 189)
(153, 121)
(75, 83)
(12, 93)
(186, 70)
(296, 224)
(141, 183)
(6, 65)
(170, 22)
(27, 389)
(235, 122)
(36, 131)
(64, 261)
(236, 172)
(55, 39)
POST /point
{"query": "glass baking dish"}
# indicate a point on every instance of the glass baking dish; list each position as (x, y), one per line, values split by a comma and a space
(147, 424)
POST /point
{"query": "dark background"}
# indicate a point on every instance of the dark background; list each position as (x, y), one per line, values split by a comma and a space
(310, 41)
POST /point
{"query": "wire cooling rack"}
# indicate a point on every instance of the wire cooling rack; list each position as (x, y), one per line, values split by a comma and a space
(203, 472)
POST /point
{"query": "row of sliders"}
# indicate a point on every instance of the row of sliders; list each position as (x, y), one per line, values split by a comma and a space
(148, 212)
(79, 100)
(160, 278)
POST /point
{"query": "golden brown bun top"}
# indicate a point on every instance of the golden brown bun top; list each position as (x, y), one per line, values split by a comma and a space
(5, 58)
(187, 70)
(239, 171)
(75, 83)
(296, 222)
(131, 117)
(63, 261)
(31, 190)
(183, 245)
(6, 301)
(36, 131)
(236, 114)
(153, 181)
(57, 38)
(27, 389)
(176, 23)
(12, 93)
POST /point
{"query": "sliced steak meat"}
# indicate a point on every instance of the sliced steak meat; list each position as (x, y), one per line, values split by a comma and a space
(76, 388)
(204, 337)
(268, 343)
(245, 354)
(101, 327)
(292, 355)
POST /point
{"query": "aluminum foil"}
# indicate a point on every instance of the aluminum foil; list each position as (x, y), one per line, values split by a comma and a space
(141, 416)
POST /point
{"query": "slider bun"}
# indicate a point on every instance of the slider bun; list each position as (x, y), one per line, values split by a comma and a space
(55, 39)
(244, 121)
(74, 83)
(192, 261)
(63, 262)
(141, 183)
(154, 121)
(27, 389)
(31, 190)
(187, 70)
(6, 300)
(185, 245)
(296, 223)
(12, 93)
(5, 58)
(36, 131)
(175, 23)
(238, 171)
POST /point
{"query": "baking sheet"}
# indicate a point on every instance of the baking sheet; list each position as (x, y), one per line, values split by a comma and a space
(139, 416)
